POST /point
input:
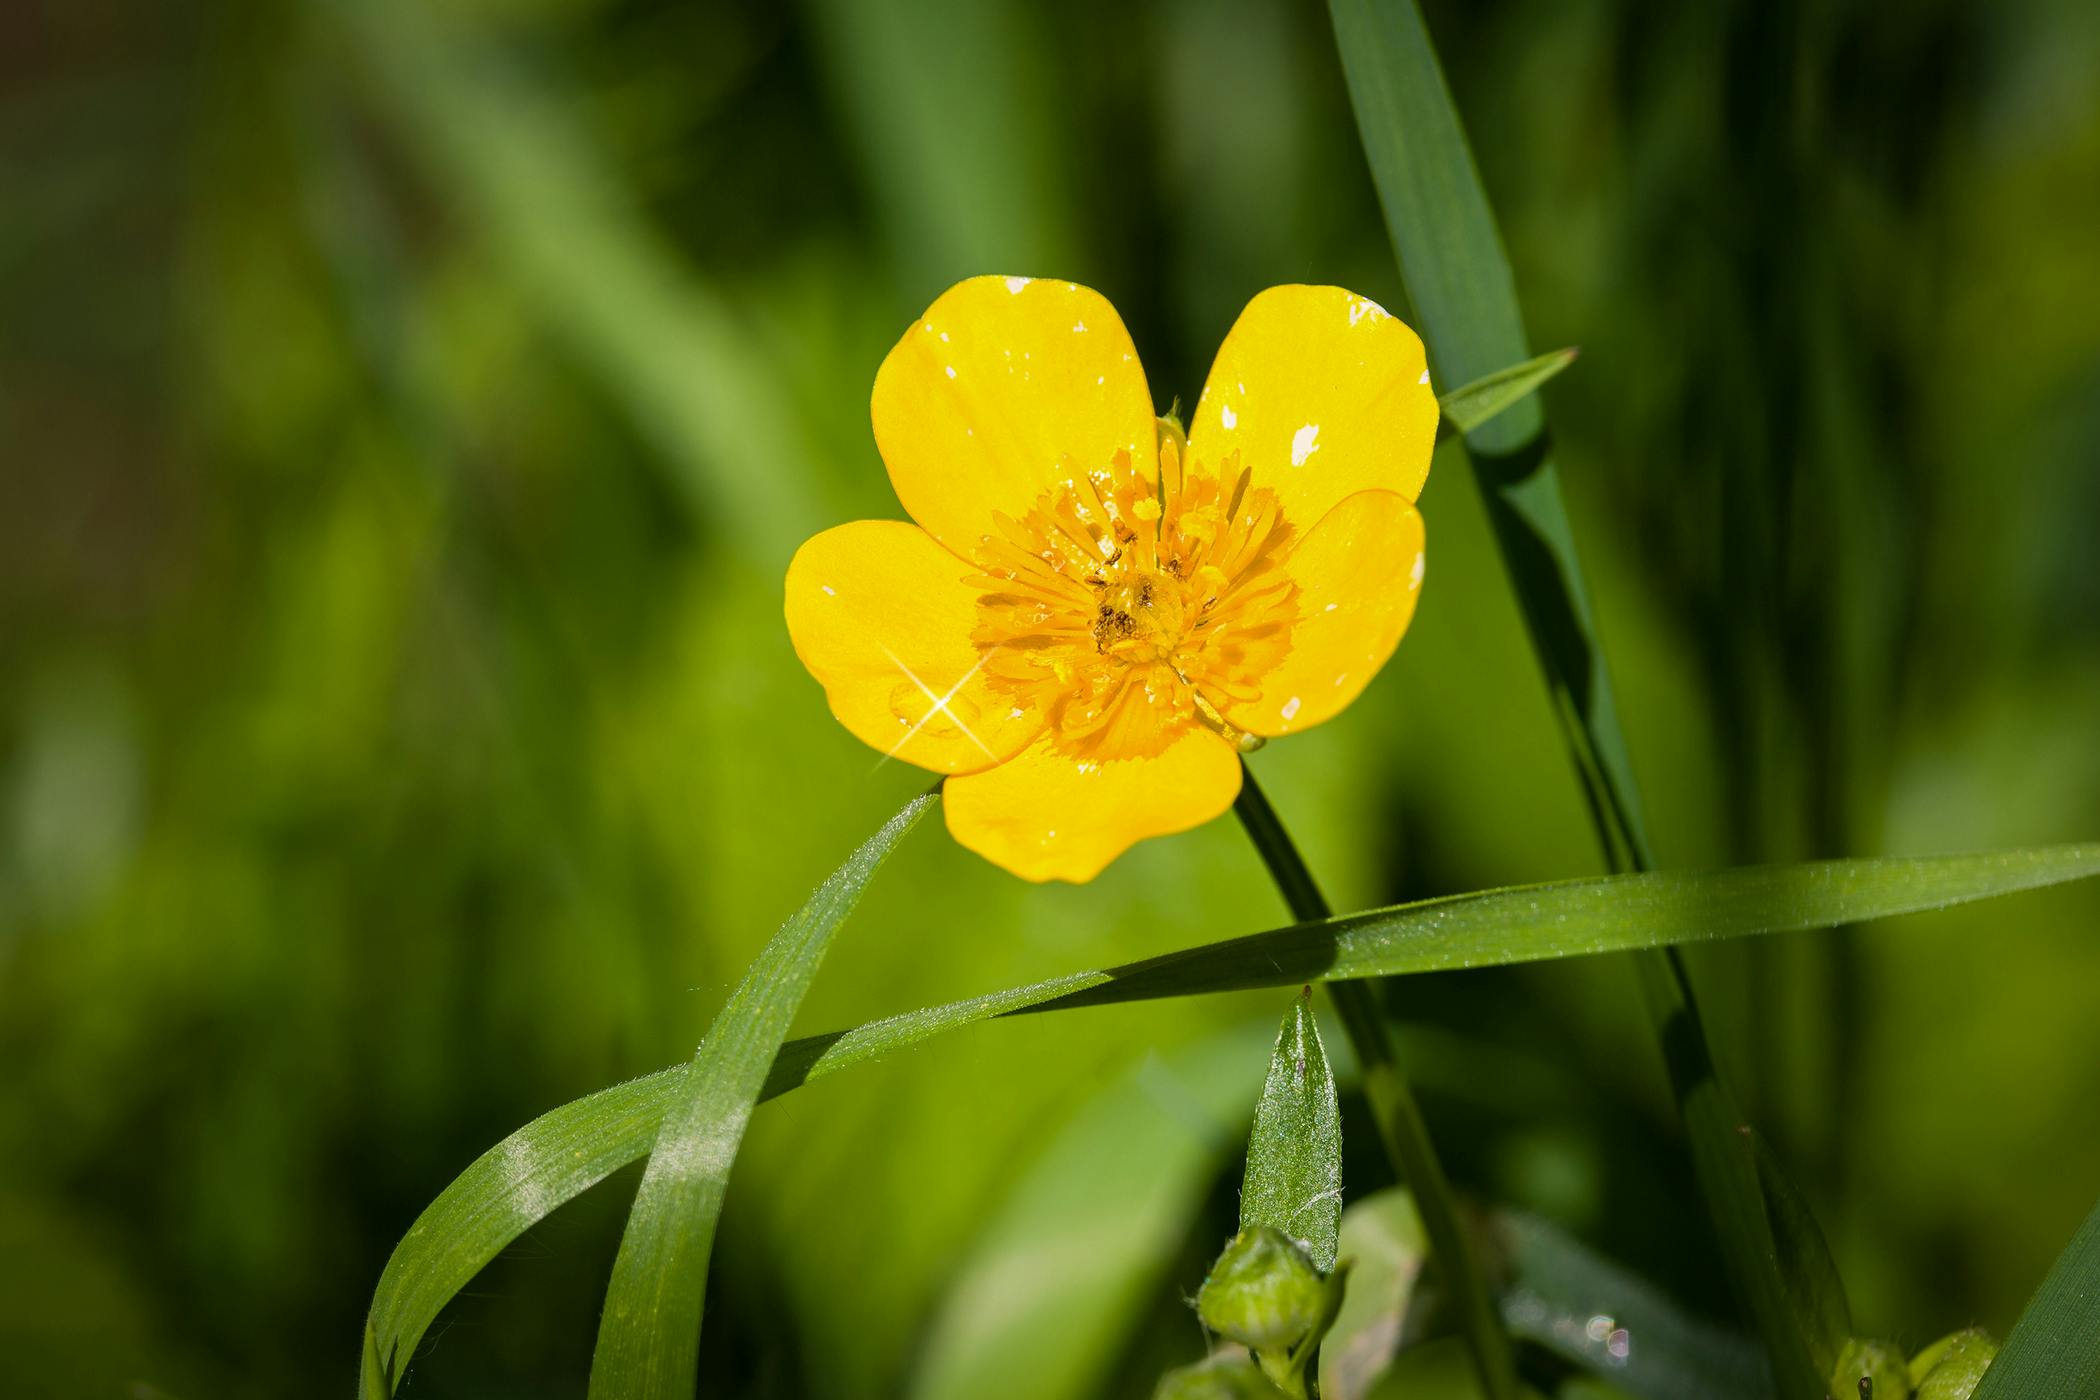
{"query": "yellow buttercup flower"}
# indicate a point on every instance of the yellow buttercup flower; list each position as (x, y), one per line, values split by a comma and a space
(1094, 614)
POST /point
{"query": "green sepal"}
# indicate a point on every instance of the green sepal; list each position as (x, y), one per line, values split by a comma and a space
(1870, 1370)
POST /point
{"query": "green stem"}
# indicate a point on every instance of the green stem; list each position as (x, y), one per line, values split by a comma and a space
(1393, 1106)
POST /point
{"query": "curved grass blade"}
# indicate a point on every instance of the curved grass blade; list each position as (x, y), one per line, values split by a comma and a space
(1467, 408)
(2053, 1352)
(1294, 1156)
(562, 1153)
(1451, 259)
(649, 1335)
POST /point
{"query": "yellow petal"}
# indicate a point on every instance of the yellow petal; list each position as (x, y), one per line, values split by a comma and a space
(1358, 573)
(1323, 394)
(1047, 816)
(1004, 388)
(881, 617)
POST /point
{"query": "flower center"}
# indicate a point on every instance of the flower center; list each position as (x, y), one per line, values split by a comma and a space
(1126, 610)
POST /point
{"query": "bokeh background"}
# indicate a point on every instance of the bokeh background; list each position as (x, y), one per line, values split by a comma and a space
(407, 412)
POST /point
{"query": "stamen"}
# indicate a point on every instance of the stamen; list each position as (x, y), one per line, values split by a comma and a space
(1125, 604)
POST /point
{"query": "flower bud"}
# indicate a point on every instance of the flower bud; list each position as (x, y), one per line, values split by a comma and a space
(1951, 1367)
(1263, 1292)
(1868, 1370)
(1230, 1375)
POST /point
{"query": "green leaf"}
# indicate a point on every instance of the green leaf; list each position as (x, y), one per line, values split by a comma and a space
(1560, 1295)
(1294, 1157)
(559, 1155)
(1465, 409)
(649, 1335)
(2054, 1350)
(1813, 1285)
(1383, 1238)
(1574, 1302)
(1057, 1281)
(1452, 262)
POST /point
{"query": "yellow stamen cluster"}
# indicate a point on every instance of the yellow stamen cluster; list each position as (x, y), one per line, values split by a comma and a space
(1125, 609)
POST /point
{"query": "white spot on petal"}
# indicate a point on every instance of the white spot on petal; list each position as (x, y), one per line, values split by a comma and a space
(1101, 379)
(1304, 443)
(1290, 708)
(1330, 607)
(1078, 327)
(951, 371)
(1360, 307)
(944, 335)
(829, 591)
(1014, 284)
(1424, 379)
(1230, 419)
(1414, 578)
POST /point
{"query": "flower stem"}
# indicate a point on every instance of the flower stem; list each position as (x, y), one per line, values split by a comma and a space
(1393, 1105)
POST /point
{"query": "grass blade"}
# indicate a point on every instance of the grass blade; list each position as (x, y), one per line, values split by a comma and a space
(1468, 408)
(509, 1189)
(649, 1336)
(563, 1153)
(2054, 1350)
(1810, 1274)
(1451, 259)
(1574, 1302)
(1294, 1156)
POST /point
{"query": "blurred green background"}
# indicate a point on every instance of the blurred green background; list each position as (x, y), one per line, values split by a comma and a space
(407, 413)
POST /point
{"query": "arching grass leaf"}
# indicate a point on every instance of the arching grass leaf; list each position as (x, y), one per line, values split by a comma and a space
(649, 1335)
(690, 1120)
(557, 1156)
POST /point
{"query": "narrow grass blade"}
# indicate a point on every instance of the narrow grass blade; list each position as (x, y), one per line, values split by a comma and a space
(1294, 1157)
(563, 1153)
(1458, 278)
(2054, 1350)
(1468, 408)
(1817, 1290)
(649, 1336)
(509, 1189)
